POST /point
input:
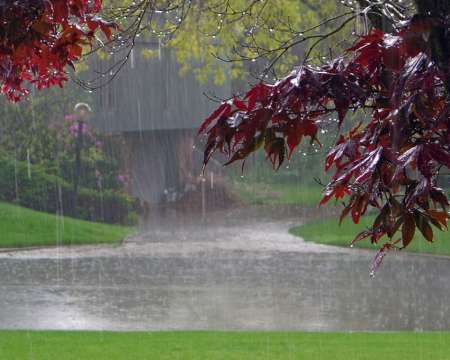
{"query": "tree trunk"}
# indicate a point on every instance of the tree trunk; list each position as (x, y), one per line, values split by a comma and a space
(433, 7)
(439, 38)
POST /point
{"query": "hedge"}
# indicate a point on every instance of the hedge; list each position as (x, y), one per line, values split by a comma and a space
(44, 192)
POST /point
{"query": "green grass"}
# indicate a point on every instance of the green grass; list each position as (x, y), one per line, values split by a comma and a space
(20, 227)
(278, 194)
(20, 345)
(328, 232)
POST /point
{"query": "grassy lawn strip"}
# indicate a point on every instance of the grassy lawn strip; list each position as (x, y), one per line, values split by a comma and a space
(278, 194)
(22, 227)
(328, 232)
(222, 345)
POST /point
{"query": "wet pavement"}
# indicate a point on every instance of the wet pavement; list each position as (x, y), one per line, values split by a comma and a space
(239, 269)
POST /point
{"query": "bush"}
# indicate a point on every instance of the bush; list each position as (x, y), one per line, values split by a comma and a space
(41, 191)
(108, 206)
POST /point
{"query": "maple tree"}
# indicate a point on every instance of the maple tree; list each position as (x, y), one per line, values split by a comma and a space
(39, 38)
(390, 163)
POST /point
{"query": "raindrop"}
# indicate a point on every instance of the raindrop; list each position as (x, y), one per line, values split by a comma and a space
(28, 164)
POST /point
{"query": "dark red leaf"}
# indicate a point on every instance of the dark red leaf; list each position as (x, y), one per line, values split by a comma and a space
(441, 217)
(424, 226)
(408, 229)
(223, 110)
(40, 38)
(392, 159)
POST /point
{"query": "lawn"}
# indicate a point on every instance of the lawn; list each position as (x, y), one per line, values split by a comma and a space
(278, 194)
(328, 232)
(19, 345)
(22, 227)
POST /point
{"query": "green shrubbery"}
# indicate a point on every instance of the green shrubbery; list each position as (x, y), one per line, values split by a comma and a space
(48, 162)
(31, 186)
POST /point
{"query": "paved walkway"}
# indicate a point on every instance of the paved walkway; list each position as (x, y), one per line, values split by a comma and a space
(248, 230)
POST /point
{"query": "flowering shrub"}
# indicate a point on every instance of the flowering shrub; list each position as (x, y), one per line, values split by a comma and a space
(99, 171)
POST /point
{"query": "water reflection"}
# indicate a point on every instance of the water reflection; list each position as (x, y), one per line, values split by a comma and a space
(189, 278)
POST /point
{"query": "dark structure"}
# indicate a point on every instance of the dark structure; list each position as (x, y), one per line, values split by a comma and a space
(154, 112)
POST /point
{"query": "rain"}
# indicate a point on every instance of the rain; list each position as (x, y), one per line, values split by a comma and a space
(110, 220)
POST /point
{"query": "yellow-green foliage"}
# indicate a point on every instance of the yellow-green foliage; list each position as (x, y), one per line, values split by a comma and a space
(215, 28)
(204, 33)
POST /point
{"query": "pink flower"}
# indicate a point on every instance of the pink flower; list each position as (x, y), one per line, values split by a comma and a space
(75, 128)
(123, 179)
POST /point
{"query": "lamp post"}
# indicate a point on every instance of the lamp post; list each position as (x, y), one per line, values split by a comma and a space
(82, 112)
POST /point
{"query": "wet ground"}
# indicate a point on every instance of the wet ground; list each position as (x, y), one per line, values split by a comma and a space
(238, 269)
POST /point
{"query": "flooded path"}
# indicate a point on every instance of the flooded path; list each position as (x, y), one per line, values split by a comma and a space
(239, 269)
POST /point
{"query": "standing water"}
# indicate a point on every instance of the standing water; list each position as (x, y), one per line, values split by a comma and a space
(109, 222)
